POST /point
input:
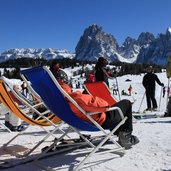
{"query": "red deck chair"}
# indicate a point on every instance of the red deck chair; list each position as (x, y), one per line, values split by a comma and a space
(101, 90)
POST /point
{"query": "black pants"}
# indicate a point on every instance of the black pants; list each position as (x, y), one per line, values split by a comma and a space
(150, 96)
(113, 117)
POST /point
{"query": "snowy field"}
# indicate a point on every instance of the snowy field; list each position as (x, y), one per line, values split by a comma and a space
(153, 153)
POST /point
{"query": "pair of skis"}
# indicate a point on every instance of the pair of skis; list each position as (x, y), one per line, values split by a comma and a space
(66, 145)
(159, 102)
(145, 115)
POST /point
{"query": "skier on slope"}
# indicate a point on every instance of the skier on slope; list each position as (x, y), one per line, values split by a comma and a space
(149, 84)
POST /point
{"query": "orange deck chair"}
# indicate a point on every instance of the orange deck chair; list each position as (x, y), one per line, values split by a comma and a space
(52, 120)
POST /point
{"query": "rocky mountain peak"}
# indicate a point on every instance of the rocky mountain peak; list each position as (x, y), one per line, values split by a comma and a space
(94, 43)
(145, 49)
(145, 38)
(168, 31)
(129, 42)
(92, 30)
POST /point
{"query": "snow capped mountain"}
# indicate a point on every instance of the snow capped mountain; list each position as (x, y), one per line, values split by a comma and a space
(129, 50)
(169, 30)
(35, 53)
(157, 51)
(95, 43)
(131, 47)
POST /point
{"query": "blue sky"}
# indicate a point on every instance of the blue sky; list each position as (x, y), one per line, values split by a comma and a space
(59, 24)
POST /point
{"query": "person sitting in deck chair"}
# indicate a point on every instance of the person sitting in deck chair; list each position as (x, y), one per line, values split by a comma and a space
(109, 119)
(12, 121)
(58, 72)
(24, 90)
(30, 98)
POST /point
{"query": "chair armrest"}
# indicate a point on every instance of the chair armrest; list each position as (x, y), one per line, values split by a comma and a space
(119, 110)
(112, 108)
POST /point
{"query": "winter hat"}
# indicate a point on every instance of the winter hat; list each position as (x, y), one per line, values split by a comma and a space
(149, 69)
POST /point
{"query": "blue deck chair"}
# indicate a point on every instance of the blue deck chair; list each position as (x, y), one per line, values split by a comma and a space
(45, 84)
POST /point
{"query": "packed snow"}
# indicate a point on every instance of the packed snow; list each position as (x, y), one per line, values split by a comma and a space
(153, 153)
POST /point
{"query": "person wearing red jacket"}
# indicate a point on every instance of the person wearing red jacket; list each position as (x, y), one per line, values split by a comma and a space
(107, 119)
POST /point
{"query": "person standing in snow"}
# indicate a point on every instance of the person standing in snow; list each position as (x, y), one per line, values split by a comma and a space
(100, 71)
(130, 90)
(148, 82)
(115, 89)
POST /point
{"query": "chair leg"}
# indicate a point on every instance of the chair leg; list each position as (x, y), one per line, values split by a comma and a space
(120, 148)
(4, 127)
(39, 143)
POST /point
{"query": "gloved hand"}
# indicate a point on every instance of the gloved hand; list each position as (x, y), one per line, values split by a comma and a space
(162, 84)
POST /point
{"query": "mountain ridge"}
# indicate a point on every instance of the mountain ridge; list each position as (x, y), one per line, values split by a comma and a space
(95, 43)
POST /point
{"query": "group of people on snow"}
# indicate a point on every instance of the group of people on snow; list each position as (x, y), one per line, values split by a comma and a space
(107, 119)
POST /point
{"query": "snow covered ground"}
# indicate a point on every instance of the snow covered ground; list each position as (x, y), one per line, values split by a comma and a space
(153, 153)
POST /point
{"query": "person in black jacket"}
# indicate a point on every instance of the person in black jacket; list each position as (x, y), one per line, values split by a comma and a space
(100, 71)
(149, 84)
(58, 72)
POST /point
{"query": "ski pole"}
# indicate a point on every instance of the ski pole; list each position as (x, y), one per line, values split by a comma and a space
(160, 98)
(141, 102)
(118, 88)
(168, 91)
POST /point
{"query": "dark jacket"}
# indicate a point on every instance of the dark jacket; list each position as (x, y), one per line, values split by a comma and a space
(149, 81)
(61, 75)
(100, 75)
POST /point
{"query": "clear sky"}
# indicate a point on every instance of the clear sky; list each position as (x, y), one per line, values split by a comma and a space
(59, 24)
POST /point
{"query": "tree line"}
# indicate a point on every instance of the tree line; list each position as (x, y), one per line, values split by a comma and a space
(117, 69)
